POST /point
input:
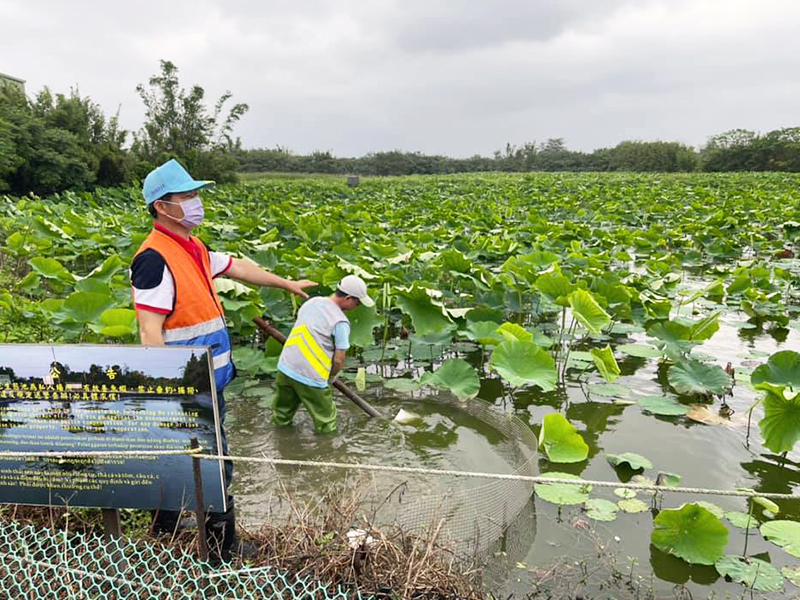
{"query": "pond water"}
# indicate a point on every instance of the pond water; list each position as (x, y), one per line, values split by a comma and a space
(710, 456)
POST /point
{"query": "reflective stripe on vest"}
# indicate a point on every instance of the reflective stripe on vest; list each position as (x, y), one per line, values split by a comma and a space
(197, 318)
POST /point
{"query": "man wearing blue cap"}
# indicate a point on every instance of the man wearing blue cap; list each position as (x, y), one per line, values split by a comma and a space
(176, 301)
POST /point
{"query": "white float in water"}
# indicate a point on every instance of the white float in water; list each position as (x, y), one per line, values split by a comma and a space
(405, 417)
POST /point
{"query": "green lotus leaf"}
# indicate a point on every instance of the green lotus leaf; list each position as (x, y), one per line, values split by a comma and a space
(231, 288)
(694, 377)
(625, 493)
(739, 284)
(363, 321)
(742, 520)
(110, 267)
(426, 316)
(512, 331)
(50, 268)
(562, 493)
(785, 534)
(251, 361)
(402, 385)
(361, 379)
(610, 390)
(453, 260)
(86, 307)
(669, 331)
(632, 505)
(782, 368)
(555, 286)
(691, 533)
(606, 363)
(639, 350)
(635, 461)
(767, 504)
(561, 441)
(712, 508)
(484, 332)
(522, 363)
(780, 426)
(588, 312)
(754, 573)
(668, 479)
(117, 323)
(662, 405)
(601, 510)
(792, 574)
(704, 328)
(456, 375)
(15, 241)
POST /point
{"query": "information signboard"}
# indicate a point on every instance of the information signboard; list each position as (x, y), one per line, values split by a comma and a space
(76, 398)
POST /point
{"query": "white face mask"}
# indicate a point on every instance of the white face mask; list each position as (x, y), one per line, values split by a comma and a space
(193, 212)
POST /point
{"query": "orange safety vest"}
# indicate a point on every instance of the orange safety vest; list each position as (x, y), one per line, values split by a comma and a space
(197, 317)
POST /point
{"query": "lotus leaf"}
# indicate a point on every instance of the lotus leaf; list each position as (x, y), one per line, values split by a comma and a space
(363, 321)
(361, 379)
(785, 534)
(588, 312)
(694, 377)
(767, 504)
(601, 510)
(632, 505)
(562, 493)
(780, 426)
(742, 520)
(610, 390)
(456, 375)
(712, 508)
(625, 493)
(117, 323)
(639, 350)
(755, 574)
(782, 368)
(50, 268)
(792, 574)
(402, 385)
(512, 331)
(484, 332)
(522, 363)
(634, 461)
(606, 363)
(662, 405)
(690, 532)
(561, 441)
(426, 316)
(555, 286)
(86, 307)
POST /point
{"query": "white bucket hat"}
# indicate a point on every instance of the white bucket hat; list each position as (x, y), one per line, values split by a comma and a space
(352, 285)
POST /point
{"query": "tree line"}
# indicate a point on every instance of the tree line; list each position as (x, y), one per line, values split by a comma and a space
(56, 142)
(736, 150)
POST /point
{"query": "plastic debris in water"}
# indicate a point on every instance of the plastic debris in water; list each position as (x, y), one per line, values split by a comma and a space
(406, 417)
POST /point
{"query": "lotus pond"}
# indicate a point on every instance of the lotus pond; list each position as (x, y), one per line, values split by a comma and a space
(636, 323)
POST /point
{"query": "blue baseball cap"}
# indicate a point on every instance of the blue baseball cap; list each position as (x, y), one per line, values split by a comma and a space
(170, 178)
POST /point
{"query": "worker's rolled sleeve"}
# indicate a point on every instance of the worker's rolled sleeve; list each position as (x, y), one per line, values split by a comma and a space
(341, 335)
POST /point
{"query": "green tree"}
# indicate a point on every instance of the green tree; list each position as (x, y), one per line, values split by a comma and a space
(178, 124)
(48, 159)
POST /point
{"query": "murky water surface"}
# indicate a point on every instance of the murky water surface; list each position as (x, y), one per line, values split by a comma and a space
(710, 456)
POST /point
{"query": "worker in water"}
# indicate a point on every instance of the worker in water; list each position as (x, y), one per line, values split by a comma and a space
(314, 354)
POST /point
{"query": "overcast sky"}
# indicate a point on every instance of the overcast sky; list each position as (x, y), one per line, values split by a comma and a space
(456, 77)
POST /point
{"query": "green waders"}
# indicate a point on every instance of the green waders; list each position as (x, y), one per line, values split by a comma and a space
(318, 402)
